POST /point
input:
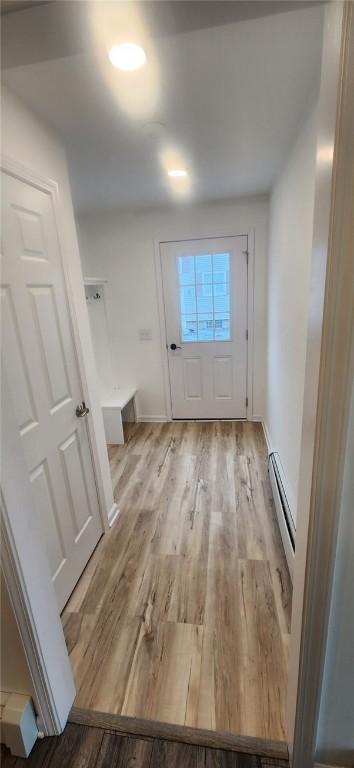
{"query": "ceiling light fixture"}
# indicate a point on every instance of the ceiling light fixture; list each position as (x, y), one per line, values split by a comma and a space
(177, 172)
(127, 57)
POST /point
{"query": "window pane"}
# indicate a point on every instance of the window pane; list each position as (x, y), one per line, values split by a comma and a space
(205, 327)
(222, 326)
(189, 328)
(221, 267)
(223, 334)
(203, 269)
(187, 299)
(186, 274)
(204, 296)
(221, 298)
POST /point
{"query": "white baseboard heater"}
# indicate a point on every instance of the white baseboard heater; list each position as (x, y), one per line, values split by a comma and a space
(285, 521)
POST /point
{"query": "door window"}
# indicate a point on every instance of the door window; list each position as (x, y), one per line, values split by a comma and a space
(204, 297)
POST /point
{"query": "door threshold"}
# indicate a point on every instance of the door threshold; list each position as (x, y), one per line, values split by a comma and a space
(211, 419)
(139, 727)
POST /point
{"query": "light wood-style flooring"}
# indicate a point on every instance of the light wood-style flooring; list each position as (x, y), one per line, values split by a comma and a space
(183, 612)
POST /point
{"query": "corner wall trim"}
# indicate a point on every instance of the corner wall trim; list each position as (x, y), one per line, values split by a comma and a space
(153, 418)
(113, 514)
(327, 765)
(267, 437)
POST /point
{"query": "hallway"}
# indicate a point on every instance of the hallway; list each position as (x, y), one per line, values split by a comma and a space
(183, 612)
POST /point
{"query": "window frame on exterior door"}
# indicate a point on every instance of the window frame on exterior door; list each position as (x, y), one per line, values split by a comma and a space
(250, 234)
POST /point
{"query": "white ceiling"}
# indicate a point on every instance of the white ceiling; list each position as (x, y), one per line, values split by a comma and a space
(228, 97)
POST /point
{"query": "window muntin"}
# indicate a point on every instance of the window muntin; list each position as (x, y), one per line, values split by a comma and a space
(204, 297)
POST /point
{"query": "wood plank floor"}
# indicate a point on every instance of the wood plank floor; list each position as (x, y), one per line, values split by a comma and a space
(85, 747)
(183, 612)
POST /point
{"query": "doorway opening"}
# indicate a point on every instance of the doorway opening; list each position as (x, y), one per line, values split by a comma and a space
(205, 305)
(180, 616)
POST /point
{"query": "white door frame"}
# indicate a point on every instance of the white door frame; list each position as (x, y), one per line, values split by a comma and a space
(82, 345)
(31, 591)
(328, 383)
(250, 234)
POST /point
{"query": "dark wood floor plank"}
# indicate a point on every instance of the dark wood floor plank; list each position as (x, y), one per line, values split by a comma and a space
(88, 747)
(77, 747)
(6, 760)
(40, 756)
(141, 728)
(135, 753)
(124, 752)
(109, 751)
(169, 754)
(218, 758)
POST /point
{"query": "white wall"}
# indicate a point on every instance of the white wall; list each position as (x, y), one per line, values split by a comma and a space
(335, 739)
(28, 141)
(120, 247)
(14, 673)
(290, 247)
(100, 336)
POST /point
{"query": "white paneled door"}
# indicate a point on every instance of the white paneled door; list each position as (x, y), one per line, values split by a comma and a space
(41, 366)
(205, 301)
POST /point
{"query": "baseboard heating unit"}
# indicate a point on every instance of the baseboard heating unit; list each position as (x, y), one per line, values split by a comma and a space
(285, 520)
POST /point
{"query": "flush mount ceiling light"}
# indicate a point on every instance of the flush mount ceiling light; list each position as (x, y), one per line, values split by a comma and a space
(177, 172)
(127, 57)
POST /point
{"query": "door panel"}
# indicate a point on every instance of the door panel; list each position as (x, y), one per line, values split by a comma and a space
(41, 366)
(192, 378)
(223, 378)
(205, 300)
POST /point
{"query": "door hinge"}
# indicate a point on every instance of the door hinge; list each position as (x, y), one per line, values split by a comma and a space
(246, 402)
(246, 334)
(247, 255)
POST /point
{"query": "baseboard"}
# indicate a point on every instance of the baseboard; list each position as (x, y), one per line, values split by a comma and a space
(267, 437)
(153, 419)
(197, 736)
(272, 449)
(327, 765)
(113, 514)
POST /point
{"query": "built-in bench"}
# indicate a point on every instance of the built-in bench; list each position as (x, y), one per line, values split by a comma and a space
(118, 406)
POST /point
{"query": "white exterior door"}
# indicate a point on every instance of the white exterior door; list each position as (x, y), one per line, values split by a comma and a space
(205, 300)
(42, 371)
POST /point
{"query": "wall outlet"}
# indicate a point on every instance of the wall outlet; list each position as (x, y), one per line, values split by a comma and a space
(145, 334)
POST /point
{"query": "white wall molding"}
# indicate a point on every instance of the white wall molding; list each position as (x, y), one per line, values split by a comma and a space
(157, 419)
(267, 437)
(113, 514)
(327, 765)
(162, 330)
(251, 276)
